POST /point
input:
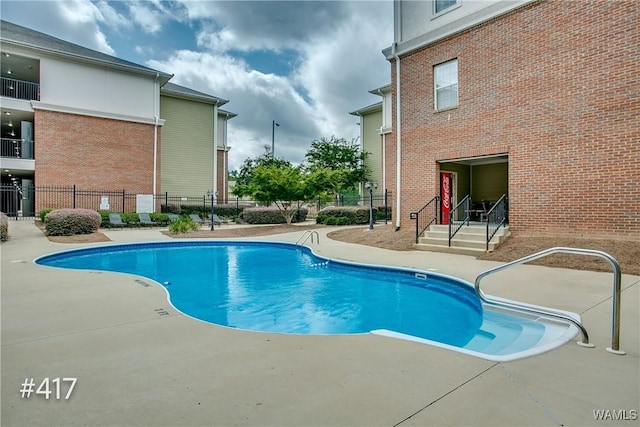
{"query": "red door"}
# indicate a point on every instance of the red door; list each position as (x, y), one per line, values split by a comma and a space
(446, 197)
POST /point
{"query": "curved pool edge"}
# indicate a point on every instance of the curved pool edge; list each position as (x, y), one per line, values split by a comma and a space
(548, 345)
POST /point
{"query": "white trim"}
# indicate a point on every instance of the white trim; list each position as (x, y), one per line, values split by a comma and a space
(215, 147)
(37, 105)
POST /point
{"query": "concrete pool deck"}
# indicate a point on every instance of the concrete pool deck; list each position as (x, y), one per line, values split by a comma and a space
(139, 362)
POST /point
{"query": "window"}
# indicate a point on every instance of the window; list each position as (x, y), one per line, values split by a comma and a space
(445, 79)
(442, 5)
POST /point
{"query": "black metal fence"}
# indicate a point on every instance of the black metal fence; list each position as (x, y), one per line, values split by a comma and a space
(25, 202)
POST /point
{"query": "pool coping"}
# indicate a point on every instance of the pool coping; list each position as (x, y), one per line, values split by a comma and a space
(154, 369)
(551, 339)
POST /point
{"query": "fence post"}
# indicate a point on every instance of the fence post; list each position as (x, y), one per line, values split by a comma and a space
(74, 196)
(166, 201)
(16, 195)
(123, 201)
(386, 206)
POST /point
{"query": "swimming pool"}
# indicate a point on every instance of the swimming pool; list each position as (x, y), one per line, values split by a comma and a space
(286, 288)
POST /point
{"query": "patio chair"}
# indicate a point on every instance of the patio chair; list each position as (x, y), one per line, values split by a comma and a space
(116, 220)
(196, 219)
(217, 220)
(145, 219)
(173, 217)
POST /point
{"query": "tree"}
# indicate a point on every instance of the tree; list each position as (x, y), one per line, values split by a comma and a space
(281, 185)
(342, 157)
(245, 175)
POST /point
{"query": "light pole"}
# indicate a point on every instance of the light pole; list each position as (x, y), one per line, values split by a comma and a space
(212, 194)
(273, 137)
(369, 187)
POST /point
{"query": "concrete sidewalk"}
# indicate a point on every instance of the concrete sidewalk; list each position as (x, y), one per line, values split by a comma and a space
(139, 362)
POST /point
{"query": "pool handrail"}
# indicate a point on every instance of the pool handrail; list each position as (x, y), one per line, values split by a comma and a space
(617, 279)
(306, 235)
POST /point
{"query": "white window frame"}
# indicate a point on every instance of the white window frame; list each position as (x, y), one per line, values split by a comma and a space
(446, 9)
(436, 88)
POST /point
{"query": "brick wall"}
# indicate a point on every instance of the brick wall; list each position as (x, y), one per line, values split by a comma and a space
(94, 153)
(553, 84)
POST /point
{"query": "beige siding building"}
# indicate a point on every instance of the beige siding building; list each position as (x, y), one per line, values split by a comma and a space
(194, 129)
(375, 123)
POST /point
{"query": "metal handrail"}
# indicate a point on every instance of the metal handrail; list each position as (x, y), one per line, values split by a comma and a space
(306, 235)
(617, 279)
(466, 201)
(499, 210)
(417, 215)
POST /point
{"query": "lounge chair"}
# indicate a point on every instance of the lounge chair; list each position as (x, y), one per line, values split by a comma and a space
(217, 220)
(116, 220)
(173, 217)
(145, 219)
(196, 219)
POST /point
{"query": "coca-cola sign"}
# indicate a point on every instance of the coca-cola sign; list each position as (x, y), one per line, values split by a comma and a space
(445, 194)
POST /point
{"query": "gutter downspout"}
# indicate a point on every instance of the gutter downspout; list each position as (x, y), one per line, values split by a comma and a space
(384, 143)
(156, 112)
(398, 135)
(215, 146)
(361, 189)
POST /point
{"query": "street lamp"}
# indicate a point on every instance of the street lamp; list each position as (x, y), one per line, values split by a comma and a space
(212, 194)
(369, 187)
(273, 137)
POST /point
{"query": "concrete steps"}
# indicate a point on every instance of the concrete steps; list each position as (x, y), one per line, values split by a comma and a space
(470, 239)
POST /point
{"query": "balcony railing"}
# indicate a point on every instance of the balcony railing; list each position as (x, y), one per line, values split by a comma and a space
(18, 89)
(16, 148)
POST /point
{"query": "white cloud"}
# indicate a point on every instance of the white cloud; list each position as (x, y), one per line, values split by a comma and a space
(340, 68)
(112, 18)
(340, 47)
(257, 25)
(71, 20)
(149, 18)
(257, 98)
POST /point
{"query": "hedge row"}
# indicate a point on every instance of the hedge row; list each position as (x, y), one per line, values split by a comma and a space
(346, 215)
(222, 210)
(270, 215)
(66, 222)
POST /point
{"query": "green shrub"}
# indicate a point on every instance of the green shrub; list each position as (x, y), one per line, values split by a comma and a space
(223, 210)
(67, 222)
(43, 213)
(271, 215)
(345, 215)
(4, 227)
(379, 213)
(229, 210)
(337, 220)
(161, 219)
(183, 225)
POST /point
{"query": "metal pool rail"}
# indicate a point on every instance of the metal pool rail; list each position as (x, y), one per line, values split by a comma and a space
(306, 235)
(617, 278)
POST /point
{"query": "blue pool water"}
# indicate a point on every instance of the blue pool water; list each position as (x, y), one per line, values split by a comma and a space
(280, 287)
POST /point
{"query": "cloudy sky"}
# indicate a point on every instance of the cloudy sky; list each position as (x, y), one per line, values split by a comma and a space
(304, 64)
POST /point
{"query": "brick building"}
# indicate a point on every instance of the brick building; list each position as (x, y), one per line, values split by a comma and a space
(72, 116)
(534, 100)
